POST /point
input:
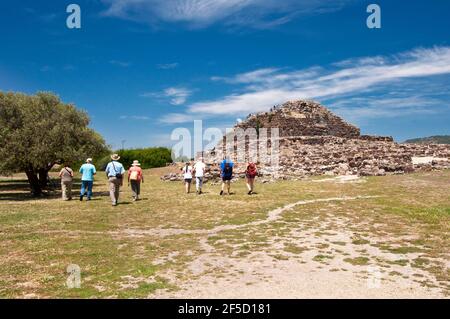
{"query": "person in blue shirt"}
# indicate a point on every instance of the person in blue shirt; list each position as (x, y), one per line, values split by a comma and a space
(87, 179)
(226, 172)
(114, 172)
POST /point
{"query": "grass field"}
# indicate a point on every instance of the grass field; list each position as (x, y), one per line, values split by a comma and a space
(171, 244)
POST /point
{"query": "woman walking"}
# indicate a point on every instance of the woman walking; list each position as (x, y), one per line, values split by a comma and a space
(187, 175)
(66, 175)
(135, 177)
(250, 174)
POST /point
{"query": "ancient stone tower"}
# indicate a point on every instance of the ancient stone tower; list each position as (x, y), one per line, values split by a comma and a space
(313, 141)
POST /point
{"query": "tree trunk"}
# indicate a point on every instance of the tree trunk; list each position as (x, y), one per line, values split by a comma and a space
(43, 180)
(33, 179)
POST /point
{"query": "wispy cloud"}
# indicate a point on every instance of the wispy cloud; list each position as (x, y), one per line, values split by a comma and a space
(69, 67)
(46, 68)
(134, 117)
(176, 95)
(167, 66)
(356, 109)
(122, 64)
(263, 88)
(202, 13)
(177, 118)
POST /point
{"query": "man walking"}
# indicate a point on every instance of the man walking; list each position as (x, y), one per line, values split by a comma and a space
(114, 172)
(226, 172)
(199, 169)
(87, 179)
(66, 175)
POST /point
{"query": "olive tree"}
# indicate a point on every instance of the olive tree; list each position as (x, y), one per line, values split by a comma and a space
(38, 131)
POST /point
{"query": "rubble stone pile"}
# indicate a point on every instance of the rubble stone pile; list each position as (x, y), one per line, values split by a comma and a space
(314, 141)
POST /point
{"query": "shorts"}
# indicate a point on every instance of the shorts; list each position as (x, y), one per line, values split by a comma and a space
(226, 178)
(188, 180)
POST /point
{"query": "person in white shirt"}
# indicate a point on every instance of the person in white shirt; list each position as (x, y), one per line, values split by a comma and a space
(187, 175)
(199, 169)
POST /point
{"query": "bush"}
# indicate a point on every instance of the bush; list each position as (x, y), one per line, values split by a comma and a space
(148, 157)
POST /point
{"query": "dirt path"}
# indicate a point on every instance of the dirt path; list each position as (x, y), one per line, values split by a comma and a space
(314, 272)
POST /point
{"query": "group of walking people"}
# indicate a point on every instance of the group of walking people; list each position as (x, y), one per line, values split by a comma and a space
(115, 172)
(226, 174)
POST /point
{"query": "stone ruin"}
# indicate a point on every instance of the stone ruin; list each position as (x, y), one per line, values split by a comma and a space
(314, 141)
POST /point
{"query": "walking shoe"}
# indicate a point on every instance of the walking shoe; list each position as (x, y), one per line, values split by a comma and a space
(81, 198)
(249, 192)
(221, 192)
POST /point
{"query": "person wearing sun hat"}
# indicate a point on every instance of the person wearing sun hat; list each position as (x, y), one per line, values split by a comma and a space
(135, 177)
(114, 172)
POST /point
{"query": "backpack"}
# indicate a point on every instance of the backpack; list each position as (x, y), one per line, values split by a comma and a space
(251, 170)
(228, 171)
(134, 175)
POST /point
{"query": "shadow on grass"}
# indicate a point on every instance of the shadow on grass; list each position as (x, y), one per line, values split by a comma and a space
(19, 190)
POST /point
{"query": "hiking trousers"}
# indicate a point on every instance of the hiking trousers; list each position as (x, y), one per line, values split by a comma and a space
(135, 188)
(199, 183)
(66, 188)
(86, 187)
(114, 189)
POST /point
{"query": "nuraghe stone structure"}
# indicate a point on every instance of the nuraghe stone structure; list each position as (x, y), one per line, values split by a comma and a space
(314, 141)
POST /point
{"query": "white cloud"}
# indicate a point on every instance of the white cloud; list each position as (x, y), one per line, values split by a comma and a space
(122, 64)
(167, 66)
(356, 109)
(202, 13)
(267, 87)
(46, 68)
(134, 117)
(177, 118)
(176, 95)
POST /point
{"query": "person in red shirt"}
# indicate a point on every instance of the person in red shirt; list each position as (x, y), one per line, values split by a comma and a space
(250, 173)
(135, 177)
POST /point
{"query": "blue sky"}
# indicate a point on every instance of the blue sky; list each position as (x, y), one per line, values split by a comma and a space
(144, 67)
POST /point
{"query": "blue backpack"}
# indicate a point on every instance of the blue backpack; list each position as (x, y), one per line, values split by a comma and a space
(228, 170)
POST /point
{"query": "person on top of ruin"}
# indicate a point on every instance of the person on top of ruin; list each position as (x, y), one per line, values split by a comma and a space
(199, 171)
(187, 176)
(226, 172)
(250, 174)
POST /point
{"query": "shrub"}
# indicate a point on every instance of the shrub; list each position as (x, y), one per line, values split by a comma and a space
(148, 157)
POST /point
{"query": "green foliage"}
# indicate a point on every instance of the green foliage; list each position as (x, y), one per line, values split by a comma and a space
(439, 139)
(40, 130)
(148, 157)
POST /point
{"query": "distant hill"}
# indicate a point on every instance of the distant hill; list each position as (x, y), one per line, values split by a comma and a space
(439, 139)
